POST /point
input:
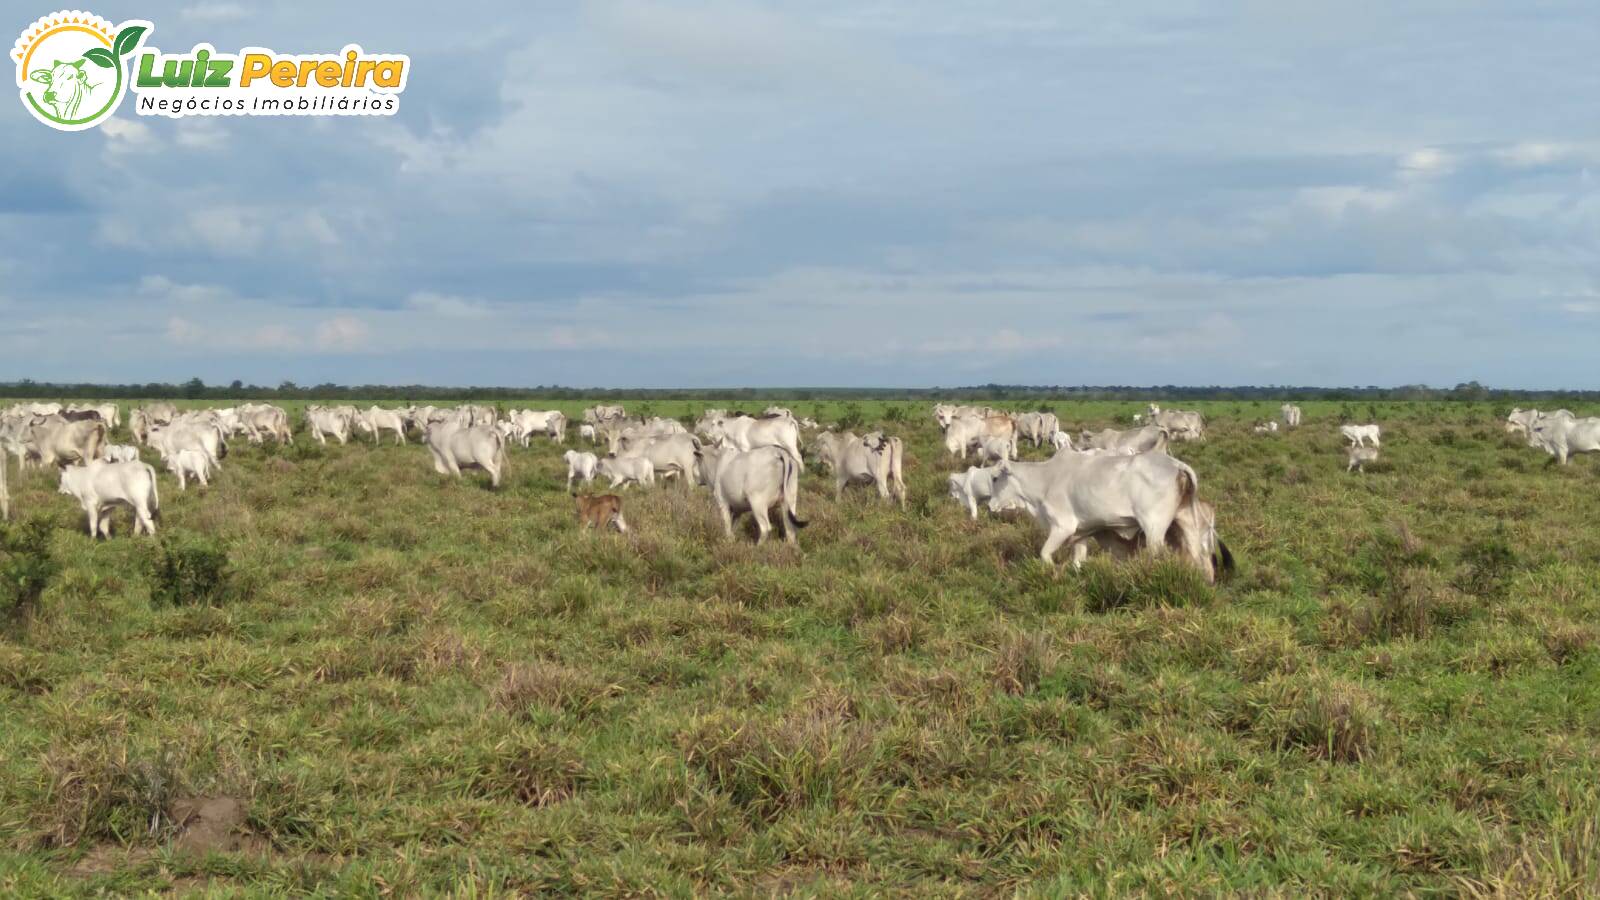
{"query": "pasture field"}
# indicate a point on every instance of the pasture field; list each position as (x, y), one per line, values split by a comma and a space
(337, 672)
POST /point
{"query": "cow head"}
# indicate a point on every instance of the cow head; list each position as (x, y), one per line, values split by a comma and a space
(1007, 491)
(67, 85)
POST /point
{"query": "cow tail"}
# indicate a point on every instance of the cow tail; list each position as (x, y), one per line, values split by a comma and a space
(791, 490)
(897, 467)
(155, 493)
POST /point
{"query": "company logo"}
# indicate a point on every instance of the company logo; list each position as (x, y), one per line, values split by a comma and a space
(74, 67)
(70, 67)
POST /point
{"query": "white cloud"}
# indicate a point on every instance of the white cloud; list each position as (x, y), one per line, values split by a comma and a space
(163, 288)
(342, 334)
(183, 331)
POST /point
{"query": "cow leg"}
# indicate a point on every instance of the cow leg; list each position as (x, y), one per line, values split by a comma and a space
(183, 484)
(972, 507)
(763, 523)
(727, 519)
(1057, 536)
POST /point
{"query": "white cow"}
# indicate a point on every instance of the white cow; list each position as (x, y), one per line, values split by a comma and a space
(828, 446)
(529, 422)
(747, 433)
(1136, 440)
(580, 465)
(119, 453)
(625, 471)
(169, 440)
(586, 431)
(1357, 458)
(1265, 428)
(1037, 427)
(973, 486)
(100, 485)
(599, 415)
(265, 420)
(188, 464)
(1562, 436)
(58, 442)
(1140, 497)
(324, 421)
(671, 455)
(1358, 435)
(994, 449)
(1520, 421)
(873, 459)
(1180, 425)
(5, 492)
(1061, 441)
(376, 420)
(755, 481)
(456, 446)
(1291, 415)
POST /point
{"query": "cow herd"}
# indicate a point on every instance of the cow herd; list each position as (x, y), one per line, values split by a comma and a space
(1116, 489)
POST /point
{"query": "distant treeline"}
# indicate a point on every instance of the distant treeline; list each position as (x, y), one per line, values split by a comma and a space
(195, 389)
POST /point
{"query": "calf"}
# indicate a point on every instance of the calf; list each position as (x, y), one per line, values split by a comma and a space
(1359, 457)
(188, 464)
(600, 511)
(580, 465)
(973, 486)
(626, 470)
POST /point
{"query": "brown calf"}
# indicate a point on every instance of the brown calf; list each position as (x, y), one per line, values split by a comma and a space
(600, 511)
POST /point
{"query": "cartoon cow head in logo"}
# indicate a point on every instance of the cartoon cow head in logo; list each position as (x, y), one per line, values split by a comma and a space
(67, 86)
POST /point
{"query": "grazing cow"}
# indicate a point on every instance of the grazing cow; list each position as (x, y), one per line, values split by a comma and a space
(586, 431)
(1562, 436)
(625, 471)
(1061, 441)
(994, 449)
(964, 432)
(1202, 520)
(828, 446)
(100, 485)
(376, 421)
(873, 459)
(1357, 458)
(755, 481)
(57, 442)
(1037, 426)
(746, 433)
(1076, 495)
(973, 486)
(188, 464)
(1358, 435)
(1136, 440)
(119, 453)
(600, 511)
(580, 465)
(1265, 428)
(599, 415)
(168, 440)
(456, 446)
(671, 455)
(325, 421)
(1291, 415)
(1180, 425)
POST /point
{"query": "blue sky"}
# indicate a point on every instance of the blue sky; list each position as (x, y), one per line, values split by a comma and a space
(631, 193)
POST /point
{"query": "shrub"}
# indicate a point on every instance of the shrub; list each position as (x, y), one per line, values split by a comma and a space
(1329, 719)
(850, 418)
(1490, 562)
(26, 566)
(190, 571)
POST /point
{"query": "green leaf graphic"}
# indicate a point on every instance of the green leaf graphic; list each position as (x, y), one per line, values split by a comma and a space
(100, 56)
(128, 38)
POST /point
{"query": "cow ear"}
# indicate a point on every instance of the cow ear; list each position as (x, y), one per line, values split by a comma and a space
(41, 75)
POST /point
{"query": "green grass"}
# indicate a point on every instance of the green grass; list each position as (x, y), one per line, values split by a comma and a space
(418, 685)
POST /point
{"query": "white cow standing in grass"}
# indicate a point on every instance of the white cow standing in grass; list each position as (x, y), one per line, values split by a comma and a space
(1562, 436)
(873, 459)
(755, 481)
(974, 486)
(98, 486)
(1291, 415)
(1359, 435)
(377, 420)
(580, 465)
(187, 464)
(455, 446)
(1358, 457)
(625, 471)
